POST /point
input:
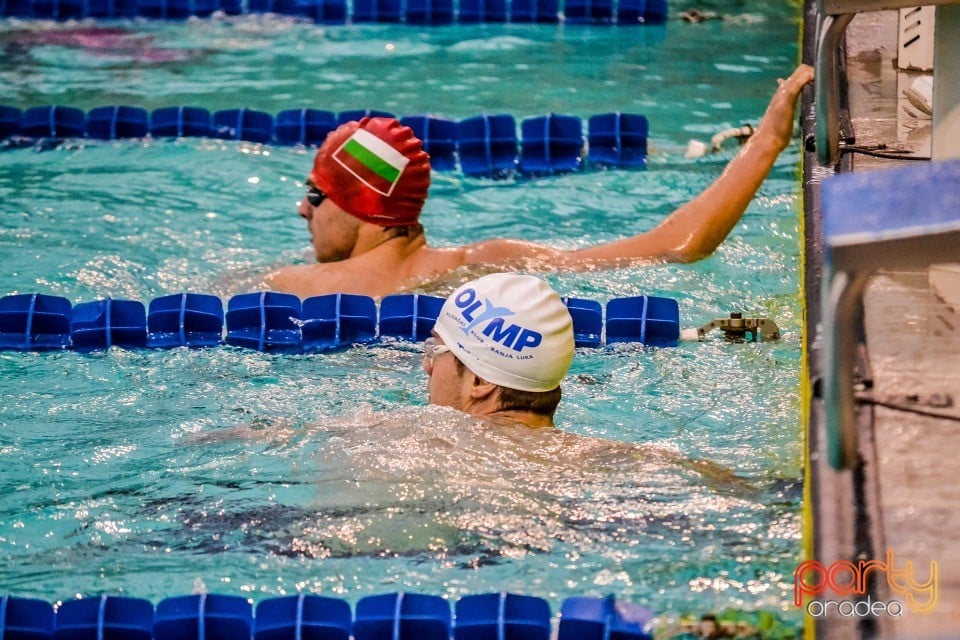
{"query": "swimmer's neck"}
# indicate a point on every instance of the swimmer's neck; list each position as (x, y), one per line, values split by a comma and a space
(387, 241)
(515, 418)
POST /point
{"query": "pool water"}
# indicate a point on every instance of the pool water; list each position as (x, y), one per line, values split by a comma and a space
(159, 473)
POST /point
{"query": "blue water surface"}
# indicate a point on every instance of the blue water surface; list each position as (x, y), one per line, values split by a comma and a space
(161, 473)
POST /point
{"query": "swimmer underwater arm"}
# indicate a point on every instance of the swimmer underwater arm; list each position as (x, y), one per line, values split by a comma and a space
(695, 229)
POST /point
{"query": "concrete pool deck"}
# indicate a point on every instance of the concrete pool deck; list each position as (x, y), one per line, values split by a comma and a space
(902, 496)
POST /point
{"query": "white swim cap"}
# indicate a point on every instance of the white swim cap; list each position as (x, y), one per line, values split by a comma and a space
(511, 330)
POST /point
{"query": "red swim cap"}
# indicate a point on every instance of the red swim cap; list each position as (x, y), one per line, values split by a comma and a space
(375, 170)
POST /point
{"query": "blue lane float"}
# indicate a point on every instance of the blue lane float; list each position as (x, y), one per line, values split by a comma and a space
(649, 320)
(10, 122)
(243, 124)
(604, 618)
(551, 144)
(478, 11)
(487, 145)
(304, 616)
(111, 123)
(414, 12)
(34, 322)
(392, 616)
(307, 127)
(265, 321)
(502, 615)
(337, 319)
(26, 618)
(377, 11)
(590, 11)
(180, 122)
(280, 322)
(587, 318)
(439, 137)
(53, 122)
(409, 316)
(430, 12)
(110, 8)
(106, 323)
(203, 617)
(536, 11)
(176, 9)
(641, 12)
(105, 617)
(618, 139)
(396, 616)
(318, 11)
(185, 320)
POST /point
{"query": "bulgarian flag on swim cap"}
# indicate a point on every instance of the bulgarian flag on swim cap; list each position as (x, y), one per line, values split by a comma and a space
(374, 162)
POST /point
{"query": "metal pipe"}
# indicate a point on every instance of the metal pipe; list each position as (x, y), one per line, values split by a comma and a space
(827, 87)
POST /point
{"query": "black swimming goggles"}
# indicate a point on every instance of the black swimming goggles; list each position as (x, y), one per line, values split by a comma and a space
(315, 196)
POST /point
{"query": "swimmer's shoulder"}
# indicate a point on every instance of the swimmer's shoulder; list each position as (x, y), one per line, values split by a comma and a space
(286, 279)
(307, 280)
(430, 264)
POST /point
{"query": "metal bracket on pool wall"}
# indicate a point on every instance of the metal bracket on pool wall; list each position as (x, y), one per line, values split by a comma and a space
(736, 328)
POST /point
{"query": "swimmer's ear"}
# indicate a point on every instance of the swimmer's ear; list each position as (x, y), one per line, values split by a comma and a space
(481, 389)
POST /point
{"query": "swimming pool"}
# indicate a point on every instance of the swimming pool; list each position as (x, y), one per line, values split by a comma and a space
(155, 473)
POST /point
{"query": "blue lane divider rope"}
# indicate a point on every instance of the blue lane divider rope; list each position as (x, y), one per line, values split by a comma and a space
(414, 12)
(271, 321)
(486, 145)
(397, 616)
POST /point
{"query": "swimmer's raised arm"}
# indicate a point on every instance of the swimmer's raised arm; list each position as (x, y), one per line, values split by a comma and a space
(695, 229)
(369, 183)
